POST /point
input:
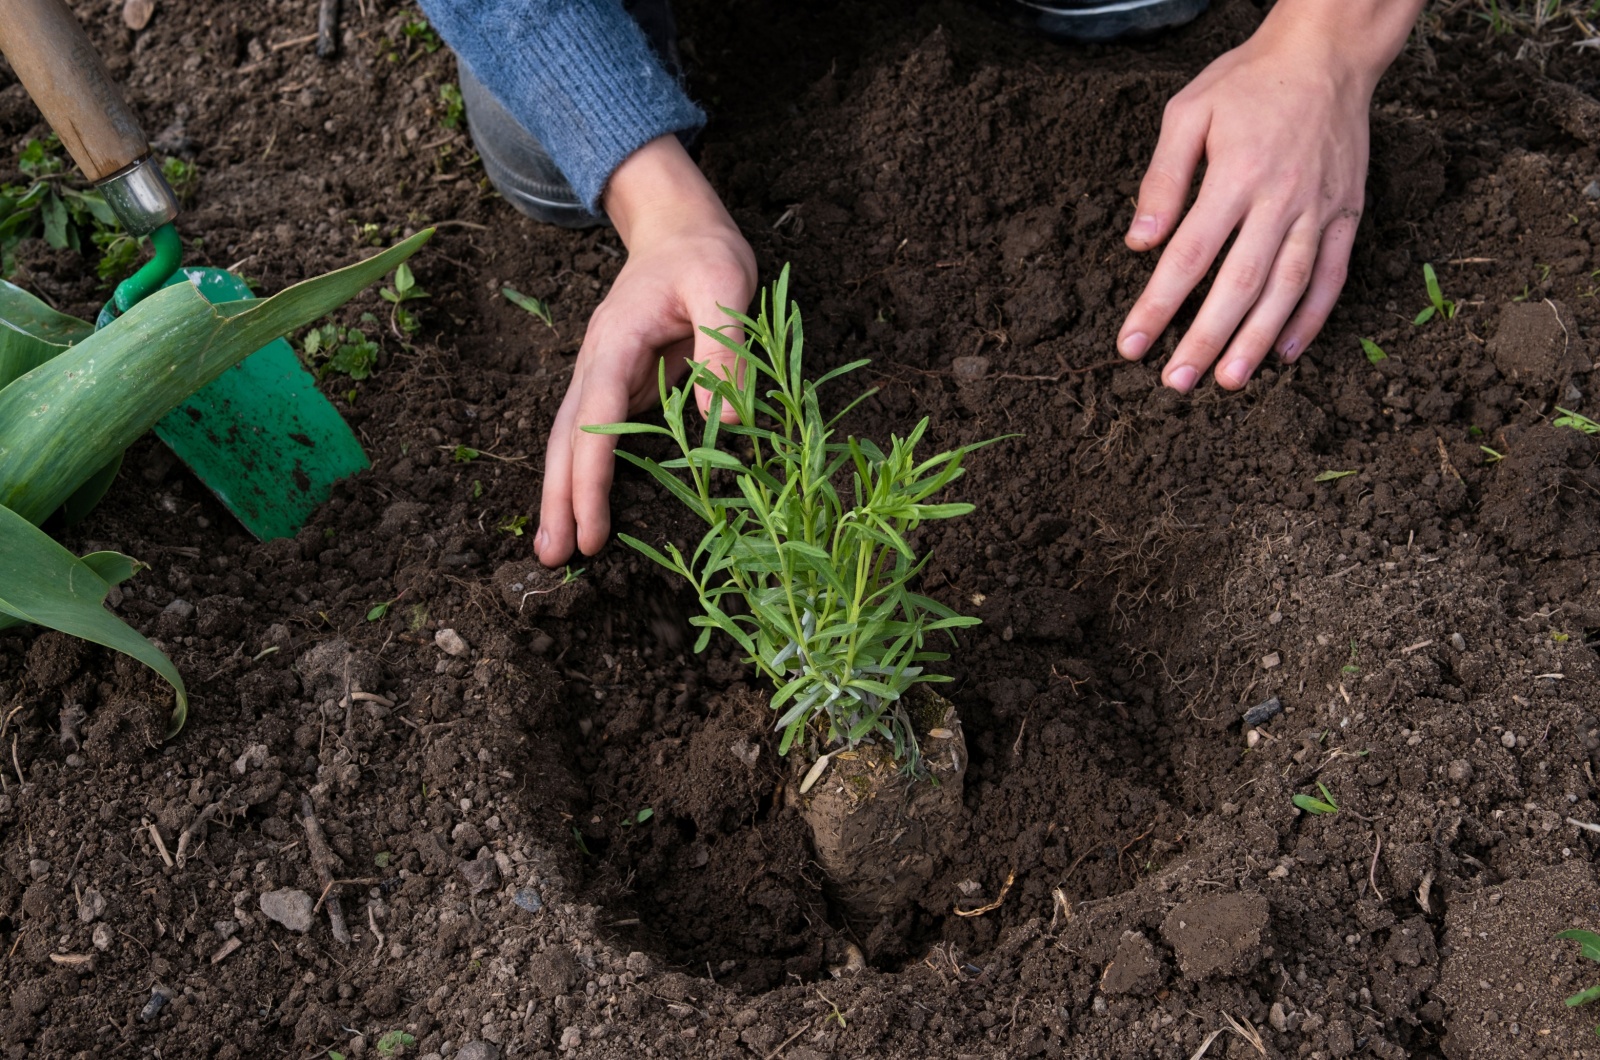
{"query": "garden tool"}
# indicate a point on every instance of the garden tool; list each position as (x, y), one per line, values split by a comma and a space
(262, 437)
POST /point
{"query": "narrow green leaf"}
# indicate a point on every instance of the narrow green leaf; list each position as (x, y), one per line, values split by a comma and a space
(1424, 316)
(625, 428)
(1583, 997)
(1373, 351)
(1332, 476)
(44, 584)
(1588, 940)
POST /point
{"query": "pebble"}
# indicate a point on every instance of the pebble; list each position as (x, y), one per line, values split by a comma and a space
(571, 1038)
(289, 907)
(450, 642)
(1460, 770)
(75, 761)
(1508, 739)
(152, 1008)
(746, 752)
(1458, 642)
(180, 607)
(478, 1051)
(481, 875)
(528, 898)
(1271, 661)
(1262, 713)
(1592, 191)
(1278, 1018)
(102, 937)
(1252, 738)
(91, 904)
(1100, 1006)
(38, 868)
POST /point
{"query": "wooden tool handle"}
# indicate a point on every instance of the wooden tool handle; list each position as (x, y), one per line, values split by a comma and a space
(70, 85)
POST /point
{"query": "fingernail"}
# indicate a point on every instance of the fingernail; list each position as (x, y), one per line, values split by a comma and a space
(1230, 374)
(1290, 352)
(1144, 227)
(1134, 345)
(1183, 379)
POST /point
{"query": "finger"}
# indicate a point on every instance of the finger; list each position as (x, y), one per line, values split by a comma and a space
(1183, 265)
(1290, 276)
(1165, 187)
(604, 400)
(1327, 280)
(1238, 286)
(557, 533)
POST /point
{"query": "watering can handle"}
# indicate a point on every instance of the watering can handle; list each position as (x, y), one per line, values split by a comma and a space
(72, 88)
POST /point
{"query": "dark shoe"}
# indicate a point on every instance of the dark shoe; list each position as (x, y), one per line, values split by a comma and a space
(514, 160)
(1104, 20)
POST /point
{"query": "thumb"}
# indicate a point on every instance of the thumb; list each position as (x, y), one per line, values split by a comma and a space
(1165, 187)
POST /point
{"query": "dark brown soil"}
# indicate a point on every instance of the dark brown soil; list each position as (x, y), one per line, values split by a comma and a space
(952, 196)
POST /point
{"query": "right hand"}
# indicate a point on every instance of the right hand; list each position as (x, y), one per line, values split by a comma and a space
(686, 259)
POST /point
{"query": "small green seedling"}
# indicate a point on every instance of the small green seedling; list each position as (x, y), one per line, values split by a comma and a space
(1576, 420)
(382, 859)
(583, 848)
(1351, 667)
(1441, 306)
(528, 303)
(182, 177)
(334, 1054)
(346, 351)
(419, 36)
(1589, 943)
(465, 454)
(454, 107)
(402, 320)
(477, 488)
(1373, 351)
(49, 207)
(633, 820)
(514, 525)
(1312, 804)
(1490, 456)
(391, 1041)
(568, 575)
(377, 611)
(1332, 476)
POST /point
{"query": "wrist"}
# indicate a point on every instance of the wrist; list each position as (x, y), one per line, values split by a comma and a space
(1357, 39)
(659, 188)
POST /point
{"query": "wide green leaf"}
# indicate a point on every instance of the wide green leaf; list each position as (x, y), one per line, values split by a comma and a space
(1588, 941)
(65, 419)
(31, 332)
(43, 583)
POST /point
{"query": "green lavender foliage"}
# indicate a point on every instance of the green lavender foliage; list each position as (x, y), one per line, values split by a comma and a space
(806, 562)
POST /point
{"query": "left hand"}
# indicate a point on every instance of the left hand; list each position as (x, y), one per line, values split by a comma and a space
(1282, 124)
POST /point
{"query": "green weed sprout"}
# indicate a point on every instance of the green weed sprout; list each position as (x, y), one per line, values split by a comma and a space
(48, 207)
(528, 304)
(403, 321)
(1373, 351)
(1576, 420)
(1312, 804)
(1441, 306)
(813, 542)
(1590, 945)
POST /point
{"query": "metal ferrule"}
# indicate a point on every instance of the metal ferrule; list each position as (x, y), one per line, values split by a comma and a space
(140, 197)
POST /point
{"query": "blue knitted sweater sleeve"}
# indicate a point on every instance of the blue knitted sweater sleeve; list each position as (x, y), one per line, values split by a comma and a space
(578, 74)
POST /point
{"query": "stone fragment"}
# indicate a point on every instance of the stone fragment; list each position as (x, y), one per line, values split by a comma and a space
(450, 642)
(289, 907)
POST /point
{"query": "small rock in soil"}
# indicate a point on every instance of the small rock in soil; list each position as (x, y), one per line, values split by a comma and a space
(969, 369)
(478, 1051)
(102, 937)
(1458, 642)
(38, 868)
(571, 1038)
(1271, 661)
(450, 642)
(152, 1008)
(1592, 190)
(481, 875)
(1460, 770)
(1508, 739)
(746, 752)
(528, 898)
(90, 905)
(180, 609)
(1262, 713)
(289, 907)
(1218, 935)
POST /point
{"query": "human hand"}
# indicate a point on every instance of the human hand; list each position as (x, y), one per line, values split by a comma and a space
(1282, 124)
(686, 258)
